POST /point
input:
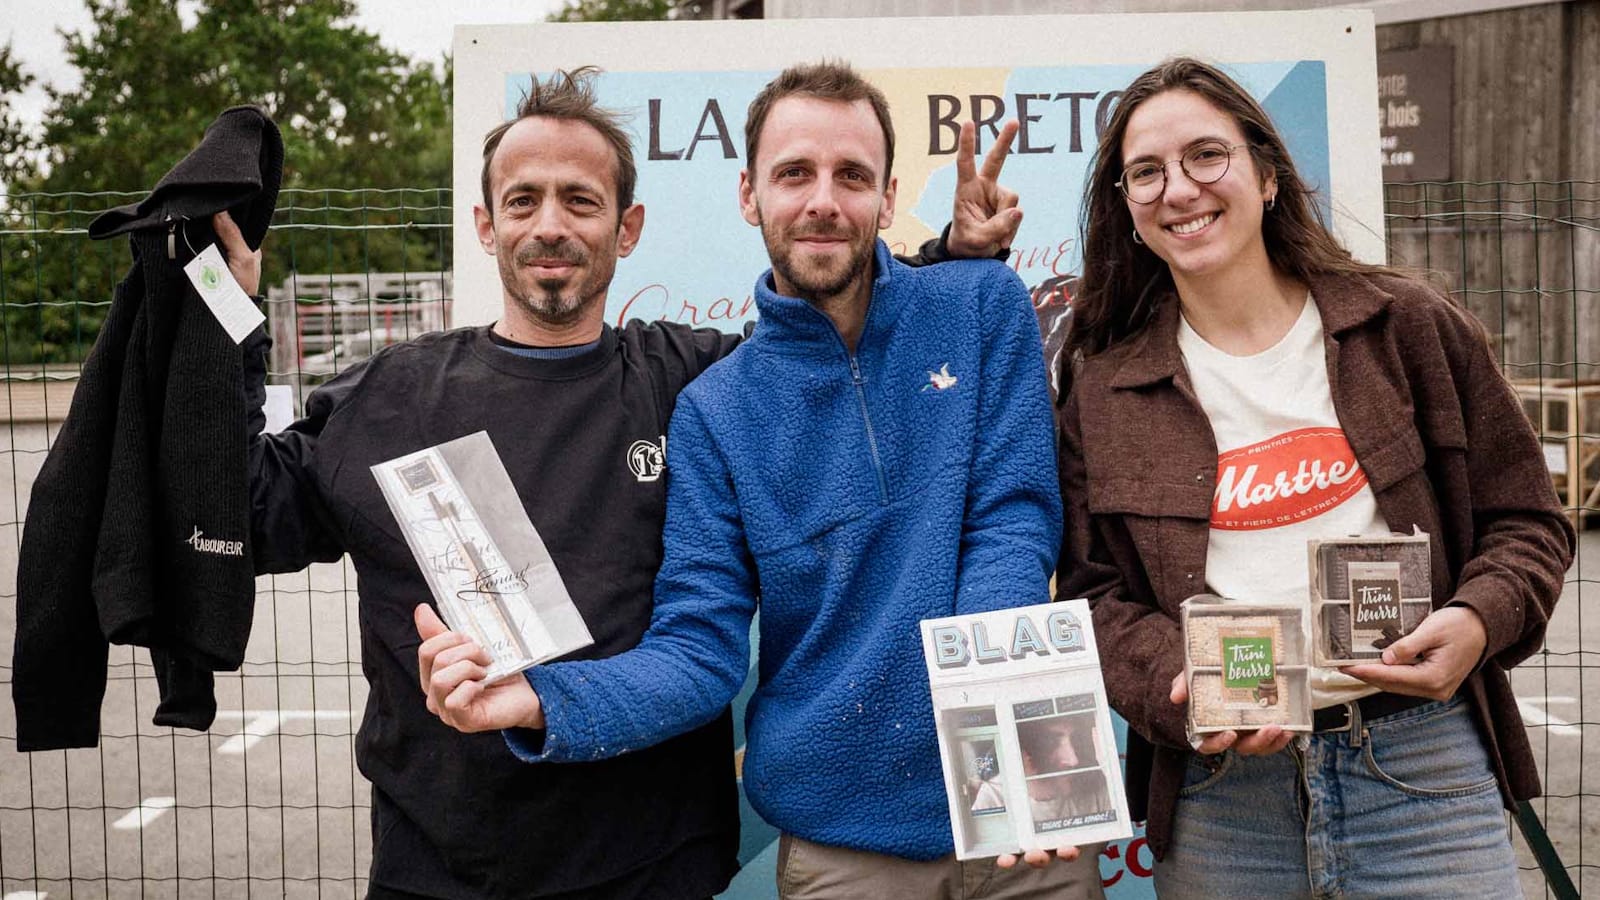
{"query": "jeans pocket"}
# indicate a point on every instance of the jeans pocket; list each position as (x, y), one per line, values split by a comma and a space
(1201, 772)
(1434, 751)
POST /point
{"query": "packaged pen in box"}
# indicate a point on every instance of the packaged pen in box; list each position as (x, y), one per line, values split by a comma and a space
(1245, 664)
(1366, 593)
(485, 564)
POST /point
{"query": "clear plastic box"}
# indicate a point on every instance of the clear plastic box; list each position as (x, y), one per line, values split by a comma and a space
(1246, 665)
(1367, 593)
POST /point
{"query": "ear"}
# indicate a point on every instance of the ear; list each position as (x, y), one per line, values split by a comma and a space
(747, 199)
(886, 211)
(485, 226)
(1269, 186)
(629, 229)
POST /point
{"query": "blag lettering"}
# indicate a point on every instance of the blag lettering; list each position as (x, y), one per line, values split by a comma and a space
(654, 302)
(1025, 639)
(1066, 634)
(982, 649)
(950, 647)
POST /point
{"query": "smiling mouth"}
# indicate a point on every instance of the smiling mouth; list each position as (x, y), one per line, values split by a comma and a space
(1193, 225)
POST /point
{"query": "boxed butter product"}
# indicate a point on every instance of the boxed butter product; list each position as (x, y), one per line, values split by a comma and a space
(1366, 593)
(1246, 664)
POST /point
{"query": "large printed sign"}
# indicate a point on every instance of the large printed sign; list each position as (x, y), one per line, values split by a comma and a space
(687, 86)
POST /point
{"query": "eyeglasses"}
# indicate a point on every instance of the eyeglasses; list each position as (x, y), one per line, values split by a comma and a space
(1203, 163)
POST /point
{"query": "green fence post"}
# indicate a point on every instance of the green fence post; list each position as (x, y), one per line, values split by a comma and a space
(1555, 874)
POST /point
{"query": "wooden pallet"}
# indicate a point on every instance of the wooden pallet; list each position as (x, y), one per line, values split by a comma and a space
(1566, 414)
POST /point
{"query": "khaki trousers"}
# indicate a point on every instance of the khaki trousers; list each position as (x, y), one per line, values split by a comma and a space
(809, 871)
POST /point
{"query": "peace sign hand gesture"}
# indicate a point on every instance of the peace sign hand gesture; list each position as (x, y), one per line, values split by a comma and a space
(986, 216)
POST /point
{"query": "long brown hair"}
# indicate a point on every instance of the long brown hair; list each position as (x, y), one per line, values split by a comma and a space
(1123, 281)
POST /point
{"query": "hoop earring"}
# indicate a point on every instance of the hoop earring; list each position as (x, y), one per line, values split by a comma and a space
(1271, 202)
(1136, 238)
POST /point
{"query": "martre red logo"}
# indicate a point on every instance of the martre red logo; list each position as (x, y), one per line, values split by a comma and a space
(1296, 475)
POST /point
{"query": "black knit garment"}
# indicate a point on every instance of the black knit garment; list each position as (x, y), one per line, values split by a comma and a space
(138, 528)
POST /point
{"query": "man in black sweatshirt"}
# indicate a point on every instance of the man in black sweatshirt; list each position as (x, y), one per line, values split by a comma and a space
(567, 401)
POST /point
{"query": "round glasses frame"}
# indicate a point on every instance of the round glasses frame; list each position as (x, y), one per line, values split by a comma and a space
(1184, 162)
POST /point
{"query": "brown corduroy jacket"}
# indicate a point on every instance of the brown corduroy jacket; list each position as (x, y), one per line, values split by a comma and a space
(1445, 446)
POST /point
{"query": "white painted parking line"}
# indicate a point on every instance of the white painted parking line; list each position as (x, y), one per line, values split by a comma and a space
(151, 809)
(260, 723)
(1533, 716)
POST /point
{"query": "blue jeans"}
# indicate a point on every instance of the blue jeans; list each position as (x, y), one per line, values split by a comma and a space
(1401, 806)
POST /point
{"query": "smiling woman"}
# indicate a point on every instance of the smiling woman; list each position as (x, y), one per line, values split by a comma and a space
(1218, 325)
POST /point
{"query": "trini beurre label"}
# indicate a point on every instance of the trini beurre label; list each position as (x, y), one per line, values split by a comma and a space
(1374, 604)
(1249, 673)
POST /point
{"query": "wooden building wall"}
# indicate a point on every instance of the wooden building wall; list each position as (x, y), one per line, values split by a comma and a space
(1516, 233)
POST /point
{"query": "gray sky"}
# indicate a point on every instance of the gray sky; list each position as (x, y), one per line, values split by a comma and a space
(419, 28)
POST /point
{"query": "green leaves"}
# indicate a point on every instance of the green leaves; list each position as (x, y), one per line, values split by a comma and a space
(352, 111)
(354, 115)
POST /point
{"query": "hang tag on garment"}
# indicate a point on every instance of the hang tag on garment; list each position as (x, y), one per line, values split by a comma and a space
(209, 274)
(278, 408)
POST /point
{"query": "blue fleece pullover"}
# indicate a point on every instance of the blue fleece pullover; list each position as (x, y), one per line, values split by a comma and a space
(851, 496)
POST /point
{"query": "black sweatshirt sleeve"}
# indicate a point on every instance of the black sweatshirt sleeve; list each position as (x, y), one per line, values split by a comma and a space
(290, 527)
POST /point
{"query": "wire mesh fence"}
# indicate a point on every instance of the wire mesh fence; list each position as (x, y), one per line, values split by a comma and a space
(1524, 257)
(270, 802)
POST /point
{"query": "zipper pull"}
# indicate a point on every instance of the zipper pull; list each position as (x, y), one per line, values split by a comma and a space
(855, 371)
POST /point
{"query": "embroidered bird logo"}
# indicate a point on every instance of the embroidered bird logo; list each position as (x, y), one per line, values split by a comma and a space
(940, 380)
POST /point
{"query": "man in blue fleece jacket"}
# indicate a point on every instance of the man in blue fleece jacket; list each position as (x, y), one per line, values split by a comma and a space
(878, 452)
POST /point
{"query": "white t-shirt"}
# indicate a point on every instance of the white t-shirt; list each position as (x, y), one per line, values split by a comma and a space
(1285, 474)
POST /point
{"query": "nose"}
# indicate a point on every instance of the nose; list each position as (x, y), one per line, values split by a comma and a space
(1179, 188)
(823, 202)
(549, 223)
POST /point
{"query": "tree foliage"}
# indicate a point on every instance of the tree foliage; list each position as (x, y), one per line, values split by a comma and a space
(17, 144)
(353, 112)
(354, 115)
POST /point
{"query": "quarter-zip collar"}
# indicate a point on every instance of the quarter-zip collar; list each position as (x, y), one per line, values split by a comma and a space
(1153, 356)
(793, 327)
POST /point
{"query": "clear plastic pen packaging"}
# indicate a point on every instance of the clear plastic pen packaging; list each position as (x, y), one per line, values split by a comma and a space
(1367, 593)
(1246, 665)
(485, 563)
